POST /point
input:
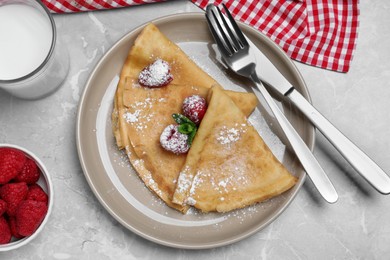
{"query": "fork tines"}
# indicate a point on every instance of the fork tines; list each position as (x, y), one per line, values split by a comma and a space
(229, 36)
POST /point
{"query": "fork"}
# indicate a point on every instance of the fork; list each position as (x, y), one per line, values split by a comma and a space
(234, 50)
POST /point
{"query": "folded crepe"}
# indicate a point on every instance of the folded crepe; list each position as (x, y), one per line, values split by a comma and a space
(229, 166)
(140, 114)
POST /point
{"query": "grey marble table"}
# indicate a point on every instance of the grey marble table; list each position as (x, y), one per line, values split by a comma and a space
(356, 227)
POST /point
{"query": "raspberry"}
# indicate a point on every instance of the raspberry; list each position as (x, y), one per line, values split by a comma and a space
(13, 194)
(5, 232)
(3, 207)
(29, 216)
(11, 163)
(12, 226)
(29, 173)
(174, 141)
(35, 192)
(194, 107)
(156, 75)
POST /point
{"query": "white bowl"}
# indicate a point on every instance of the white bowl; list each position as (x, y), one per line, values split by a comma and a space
(47, 185)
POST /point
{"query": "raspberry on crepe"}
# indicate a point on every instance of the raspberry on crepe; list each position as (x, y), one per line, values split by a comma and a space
(156, 75)
(194, 107)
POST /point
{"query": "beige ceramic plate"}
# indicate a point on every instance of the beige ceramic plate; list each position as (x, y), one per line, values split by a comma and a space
(117, 186)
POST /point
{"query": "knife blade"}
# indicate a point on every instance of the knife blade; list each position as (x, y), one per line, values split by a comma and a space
(364, 165)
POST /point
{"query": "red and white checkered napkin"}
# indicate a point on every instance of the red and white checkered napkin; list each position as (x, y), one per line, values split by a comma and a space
(321, 33)
(69, 6)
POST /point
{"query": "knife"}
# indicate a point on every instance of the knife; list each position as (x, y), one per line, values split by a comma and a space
(363, 164)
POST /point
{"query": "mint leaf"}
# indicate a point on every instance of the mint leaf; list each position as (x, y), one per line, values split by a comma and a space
(180, 119)
(186, 128)
(191, 136)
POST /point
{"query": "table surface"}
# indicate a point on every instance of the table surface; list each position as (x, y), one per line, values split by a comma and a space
(357, 226)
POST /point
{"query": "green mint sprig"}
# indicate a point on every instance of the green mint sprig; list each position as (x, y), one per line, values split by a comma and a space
(186, 126)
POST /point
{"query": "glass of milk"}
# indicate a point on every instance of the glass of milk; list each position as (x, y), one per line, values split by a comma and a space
(33, 64)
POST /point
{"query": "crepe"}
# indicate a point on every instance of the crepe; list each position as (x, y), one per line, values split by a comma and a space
(229, 166)
(140, 114)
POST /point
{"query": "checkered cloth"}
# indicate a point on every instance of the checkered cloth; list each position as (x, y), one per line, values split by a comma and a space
(321, 33)
(69, 6)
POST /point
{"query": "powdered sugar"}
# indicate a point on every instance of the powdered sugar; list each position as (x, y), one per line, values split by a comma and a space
(190, 201)
(156, 74)
(121, 159)
(132, 117)
(230, 135)
(184, 181)
(138, 114)
(197, 180)
(232, 176)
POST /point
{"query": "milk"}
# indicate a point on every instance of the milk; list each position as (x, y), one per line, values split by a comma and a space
(25, 40)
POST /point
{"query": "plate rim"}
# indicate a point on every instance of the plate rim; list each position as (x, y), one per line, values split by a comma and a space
(87, 85)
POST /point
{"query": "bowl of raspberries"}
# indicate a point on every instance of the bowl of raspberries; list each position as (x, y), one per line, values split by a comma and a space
(26, 196)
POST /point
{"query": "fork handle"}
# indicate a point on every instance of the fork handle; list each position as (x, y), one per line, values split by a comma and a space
(356, 157)
(305, 156)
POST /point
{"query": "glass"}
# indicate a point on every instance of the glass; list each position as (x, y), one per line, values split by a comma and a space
(33, 63)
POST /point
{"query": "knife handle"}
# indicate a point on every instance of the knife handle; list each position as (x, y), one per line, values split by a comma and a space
(356, 157)
(305, 156)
